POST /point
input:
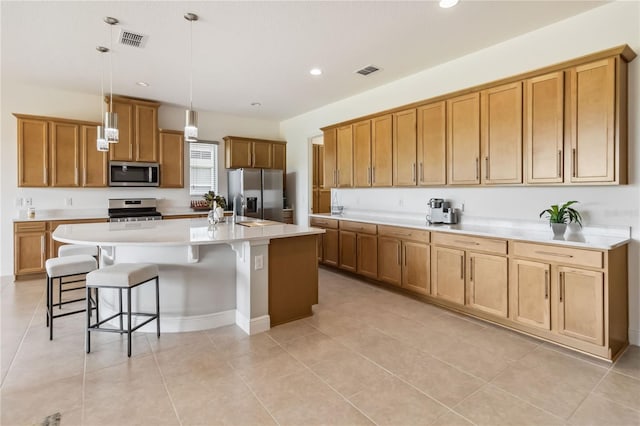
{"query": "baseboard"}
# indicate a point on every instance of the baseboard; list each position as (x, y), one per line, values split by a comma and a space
(254, 325)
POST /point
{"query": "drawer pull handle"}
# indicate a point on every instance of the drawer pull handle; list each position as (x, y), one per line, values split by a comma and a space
(550, 253)
(470, 243)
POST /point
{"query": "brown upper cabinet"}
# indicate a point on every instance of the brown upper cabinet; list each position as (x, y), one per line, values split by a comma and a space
(463, 139)
(241, 152)
(501, 122)
(59, 152)
(330, 158)
(404, 148)
(362, 153)
(432, 144)
(544, 128)
(171, 149)
(344, 159)
(137, 128)
(382, 151)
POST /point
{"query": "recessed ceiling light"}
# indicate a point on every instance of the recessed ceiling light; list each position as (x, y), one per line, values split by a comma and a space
(446, 4)
(315, 71)
(256, 104)
(142, 83)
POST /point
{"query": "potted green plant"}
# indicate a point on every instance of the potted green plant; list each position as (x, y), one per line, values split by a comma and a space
(211, 196)
(559, 217)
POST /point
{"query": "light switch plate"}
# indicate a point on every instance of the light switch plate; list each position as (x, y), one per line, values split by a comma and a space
(259, 262)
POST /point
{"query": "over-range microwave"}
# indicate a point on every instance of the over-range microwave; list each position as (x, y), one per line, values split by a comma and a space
(124, 173)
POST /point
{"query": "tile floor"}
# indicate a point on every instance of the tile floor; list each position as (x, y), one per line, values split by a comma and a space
(367, 355)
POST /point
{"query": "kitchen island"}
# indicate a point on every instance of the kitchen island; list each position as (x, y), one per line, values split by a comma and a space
(255, 275)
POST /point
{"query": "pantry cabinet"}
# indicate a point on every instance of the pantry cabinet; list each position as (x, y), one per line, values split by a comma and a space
(544, 128)
(171, 147)
(404, 148)
(501, 137)
(432, 144)
(463, 139)
(530, 293)
(137, 130)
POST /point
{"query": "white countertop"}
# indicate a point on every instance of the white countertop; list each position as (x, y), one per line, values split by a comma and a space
(178, 232)
(604, 238)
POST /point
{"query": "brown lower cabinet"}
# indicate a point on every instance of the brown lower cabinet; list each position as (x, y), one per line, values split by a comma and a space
(575, 297)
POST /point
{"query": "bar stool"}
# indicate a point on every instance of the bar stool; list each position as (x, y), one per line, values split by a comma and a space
(64, 267)
(123, 276)
(72, 250)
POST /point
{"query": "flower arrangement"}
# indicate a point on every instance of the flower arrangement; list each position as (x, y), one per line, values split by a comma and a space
(211, 196)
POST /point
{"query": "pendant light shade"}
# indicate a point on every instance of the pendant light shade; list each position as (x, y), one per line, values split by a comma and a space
(111, 118)
(101, 140)
(191, 126)
(191, 116)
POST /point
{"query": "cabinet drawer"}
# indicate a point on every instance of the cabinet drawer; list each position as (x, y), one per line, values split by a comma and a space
(470, 243)
(404, 233)
(30, 226)
(554, 254)
(365, 228)
(324, 223)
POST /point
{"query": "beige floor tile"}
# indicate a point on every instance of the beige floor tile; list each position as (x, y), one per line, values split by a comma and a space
(171, 340)
(200, 361)
(393, 402)
(234, 343)
(550, 380)
(452, 418)
(622, 389)
(113, 352)
(267, 366)
(30, 405)
(491, 406)
(503, 343)
(439, 380)
(333, 323)
(596, 410)
(303, 399)
(349, 373)
(584, 357)
(471, 359)
(629, 362)
(289, 331)
(313, 348)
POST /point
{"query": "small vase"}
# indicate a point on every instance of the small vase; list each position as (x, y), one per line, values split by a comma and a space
(558, 230)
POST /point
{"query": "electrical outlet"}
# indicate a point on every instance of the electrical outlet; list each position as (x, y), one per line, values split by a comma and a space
(461, 207)
(19, 202)
(27, 202)
(68, 201)
(259, 262)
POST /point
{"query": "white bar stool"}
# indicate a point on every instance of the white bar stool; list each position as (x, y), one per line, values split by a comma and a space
(122, 276)
(73, 249)
(65, 267)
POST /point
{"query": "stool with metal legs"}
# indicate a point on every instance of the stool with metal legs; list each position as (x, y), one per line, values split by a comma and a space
(123, 276)
(67, 270)
(67, 250)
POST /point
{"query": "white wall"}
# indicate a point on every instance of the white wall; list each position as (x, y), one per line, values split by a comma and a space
(601, 28)
(19, 98)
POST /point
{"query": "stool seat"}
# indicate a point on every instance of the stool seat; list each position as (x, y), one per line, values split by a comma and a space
(73, 249)
(70, 265)
(122, 275)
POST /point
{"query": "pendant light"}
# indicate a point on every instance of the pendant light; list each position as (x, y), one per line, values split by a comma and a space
(101, 141)
(191, 116)
(111, 118)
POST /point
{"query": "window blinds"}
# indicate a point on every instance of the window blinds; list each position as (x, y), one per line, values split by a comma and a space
(203, 168)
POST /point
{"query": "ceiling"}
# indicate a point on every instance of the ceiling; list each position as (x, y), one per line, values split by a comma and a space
(246, 52)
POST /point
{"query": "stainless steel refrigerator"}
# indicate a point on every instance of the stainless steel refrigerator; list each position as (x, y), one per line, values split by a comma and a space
(261, 190)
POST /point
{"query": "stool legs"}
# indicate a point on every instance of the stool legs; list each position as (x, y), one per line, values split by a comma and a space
(88, 339)
(158, 306)
(50, 306)
(128, 322)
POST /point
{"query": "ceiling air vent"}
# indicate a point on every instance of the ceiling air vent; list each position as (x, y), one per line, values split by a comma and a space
(129, 38)
(369, 69)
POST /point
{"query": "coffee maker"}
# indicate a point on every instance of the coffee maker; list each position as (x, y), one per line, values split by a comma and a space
(440, 211)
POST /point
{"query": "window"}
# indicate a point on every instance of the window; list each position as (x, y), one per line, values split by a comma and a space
(203, 168)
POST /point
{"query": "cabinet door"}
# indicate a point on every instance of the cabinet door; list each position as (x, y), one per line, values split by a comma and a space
(344, 142)
(324, 200)
(30, 248)
(463, 139)
(238, 153)
(319, 247)
(261, 153)
(33, 152)
(362, 153)
(320, 165)
(146, 131)
(404, 148)
(544, 128)
(501, 114)
(487, 286)
(123, 149)
(530, 300)
(390, 260)
(432, 144)
(171, 159)
(367, 255)
(593, 122)
(64, 143)
(447, 274)
(382, 151)
(415, 267)
(330, 247)
(330, 157)
(279, 153)
(94, 163)
(580, 304)
(348, 251)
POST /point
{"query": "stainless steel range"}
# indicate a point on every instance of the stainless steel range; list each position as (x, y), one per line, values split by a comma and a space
(133, 209)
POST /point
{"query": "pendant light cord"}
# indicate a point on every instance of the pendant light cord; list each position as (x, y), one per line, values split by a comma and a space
(191, 65)
(111, 67)
(102, 86)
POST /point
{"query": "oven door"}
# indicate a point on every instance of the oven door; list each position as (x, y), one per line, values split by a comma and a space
(122, 173)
